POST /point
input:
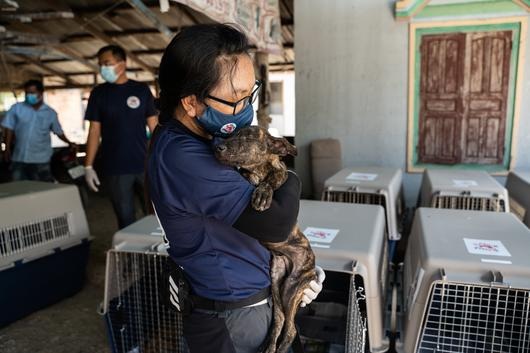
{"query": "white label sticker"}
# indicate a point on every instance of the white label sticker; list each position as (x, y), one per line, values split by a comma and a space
(486, 247)
(320, 235)
(361, 177)
(464, 183)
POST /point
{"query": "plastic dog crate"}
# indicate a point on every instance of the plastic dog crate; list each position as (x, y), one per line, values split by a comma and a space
(466, 280)
(518, 185)
(350, 245)
(137, 319)
(372, 186)
(44, 245)
(462, 190)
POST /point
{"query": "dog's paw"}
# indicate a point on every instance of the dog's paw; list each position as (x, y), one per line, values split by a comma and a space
(262, 197)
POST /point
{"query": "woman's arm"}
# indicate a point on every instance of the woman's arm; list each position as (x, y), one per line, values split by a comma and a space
(276, 223)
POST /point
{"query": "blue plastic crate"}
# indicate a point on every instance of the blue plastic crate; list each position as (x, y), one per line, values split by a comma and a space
(30, 286)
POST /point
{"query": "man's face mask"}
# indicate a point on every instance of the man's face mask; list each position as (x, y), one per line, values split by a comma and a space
(32, 98)
(222, 125)
(108, 72)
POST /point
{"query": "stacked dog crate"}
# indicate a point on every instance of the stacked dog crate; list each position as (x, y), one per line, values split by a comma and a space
(462, 190)
(138, 320)
(466, 283)
(371, 186)
(518, 185)
(44, 245)
(350, 245)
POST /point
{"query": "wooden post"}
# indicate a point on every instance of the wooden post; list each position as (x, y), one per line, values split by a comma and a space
(262, 72)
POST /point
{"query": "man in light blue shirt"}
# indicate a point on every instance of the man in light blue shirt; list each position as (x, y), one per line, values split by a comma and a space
(30, 123)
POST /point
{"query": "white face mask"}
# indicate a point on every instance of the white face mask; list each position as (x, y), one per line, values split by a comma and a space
(108, 72)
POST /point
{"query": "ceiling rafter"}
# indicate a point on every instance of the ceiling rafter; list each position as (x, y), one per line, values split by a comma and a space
(103, 37)
(46, 68)
(152, 17)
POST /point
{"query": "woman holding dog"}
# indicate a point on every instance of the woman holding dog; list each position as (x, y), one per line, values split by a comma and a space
(208, 86)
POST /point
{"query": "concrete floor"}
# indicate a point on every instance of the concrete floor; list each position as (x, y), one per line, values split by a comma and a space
(72, 325)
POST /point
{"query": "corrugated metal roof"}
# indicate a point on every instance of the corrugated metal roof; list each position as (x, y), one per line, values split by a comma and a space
(60, 43)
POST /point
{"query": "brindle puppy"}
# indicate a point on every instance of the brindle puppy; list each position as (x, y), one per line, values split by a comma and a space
(257, 154)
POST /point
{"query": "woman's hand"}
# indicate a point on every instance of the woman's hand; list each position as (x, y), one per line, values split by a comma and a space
(314, 288)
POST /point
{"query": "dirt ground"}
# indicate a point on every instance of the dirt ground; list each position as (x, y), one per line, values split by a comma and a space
(72, 325)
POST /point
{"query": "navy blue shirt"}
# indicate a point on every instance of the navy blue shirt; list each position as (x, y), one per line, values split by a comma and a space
(122, 110)
(197, 200)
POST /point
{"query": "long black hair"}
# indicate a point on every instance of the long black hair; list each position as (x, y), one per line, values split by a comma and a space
(194, 62)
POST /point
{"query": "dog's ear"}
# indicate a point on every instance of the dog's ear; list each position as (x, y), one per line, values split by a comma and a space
(280, 146)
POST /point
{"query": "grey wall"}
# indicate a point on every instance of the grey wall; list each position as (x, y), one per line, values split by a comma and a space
(352, 81)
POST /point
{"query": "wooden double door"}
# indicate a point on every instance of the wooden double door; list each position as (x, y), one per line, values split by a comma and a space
(464, 97)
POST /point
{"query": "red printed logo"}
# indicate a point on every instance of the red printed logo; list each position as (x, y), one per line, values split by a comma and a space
(228, 128)
(319, 234)
(487, 247)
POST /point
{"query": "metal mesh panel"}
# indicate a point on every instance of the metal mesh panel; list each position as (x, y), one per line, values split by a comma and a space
(17, 238)
(351, 196)
(470, 318)
(469, 203)
(138, 320)
(356, 324)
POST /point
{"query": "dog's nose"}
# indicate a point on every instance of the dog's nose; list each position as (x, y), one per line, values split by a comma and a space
(221, 148)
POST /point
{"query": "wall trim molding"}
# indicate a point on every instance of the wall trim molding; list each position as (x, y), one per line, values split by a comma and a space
(406, 10)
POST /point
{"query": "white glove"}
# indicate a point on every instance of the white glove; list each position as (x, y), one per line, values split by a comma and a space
(314, 288)
(91, 178)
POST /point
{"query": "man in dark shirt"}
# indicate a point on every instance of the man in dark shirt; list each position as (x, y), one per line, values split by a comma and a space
(119, 111)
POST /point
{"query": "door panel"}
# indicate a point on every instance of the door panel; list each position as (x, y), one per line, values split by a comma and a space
(488, 102)
(441, 109)
(463, 97)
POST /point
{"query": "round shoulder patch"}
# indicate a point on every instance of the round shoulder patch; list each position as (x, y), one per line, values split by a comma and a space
(133, 102)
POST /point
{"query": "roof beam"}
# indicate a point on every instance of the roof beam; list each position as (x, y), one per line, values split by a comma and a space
(135, 52)
(90, 28)
(79, 73)
(152, 17)
(28, 37)
(118, 34)
(75, 56)
(102, 36)
(37, 16)
(47, 69)
(186, 10)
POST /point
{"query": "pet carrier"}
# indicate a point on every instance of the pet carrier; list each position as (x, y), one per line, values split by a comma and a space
(137, 318)
(466, 280)
(462, 190)
(349, 244)
(44, 243)
(373, 186)
(518, 185)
